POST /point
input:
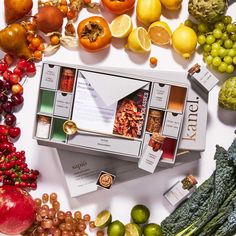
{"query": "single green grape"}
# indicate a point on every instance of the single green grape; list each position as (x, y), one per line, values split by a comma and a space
(215, 46)
(207, 48)
(210, 39)
(234, 45)
(217, 33)
(188, 23)
(222, 67)
(228, 60)
(224, 36)
(232, 52)
(231, 28)
(201, 39)
(234, 60)
(227, 20)
(219, 25)
(228, 43)
(202, 28)
(222, 52)
(216, 61)
(208, 59)
(219, 41)
(215, 52)
(230, 69)
(233, 37)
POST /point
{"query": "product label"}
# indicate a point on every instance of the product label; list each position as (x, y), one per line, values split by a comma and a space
(150, 159)
(50, 76)
(205, 79)
(176, 194)
(160, 95)
(172, 124)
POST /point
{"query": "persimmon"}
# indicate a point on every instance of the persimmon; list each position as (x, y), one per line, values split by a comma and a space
(94, 33)
(118, 6)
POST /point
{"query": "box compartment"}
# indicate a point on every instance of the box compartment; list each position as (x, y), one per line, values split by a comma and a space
(50, 76)
(57, 133)
(46, 101)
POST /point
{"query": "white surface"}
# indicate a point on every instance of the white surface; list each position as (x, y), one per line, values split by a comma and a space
(147, 190)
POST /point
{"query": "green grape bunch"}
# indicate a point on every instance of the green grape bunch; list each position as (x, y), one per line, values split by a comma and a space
(218, 42)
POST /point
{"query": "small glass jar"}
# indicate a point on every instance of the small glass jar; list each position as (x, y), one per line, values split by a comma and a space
(154, 121)
(156, 141)
(43, 127)
(67, 80)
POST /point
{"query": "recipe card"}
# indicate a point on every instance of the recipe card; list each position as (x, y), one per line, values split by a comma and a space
(90, 111)
(125, 117)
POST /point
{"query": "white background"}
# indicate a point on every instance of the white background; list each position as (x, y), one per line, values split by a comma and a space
(147, 190)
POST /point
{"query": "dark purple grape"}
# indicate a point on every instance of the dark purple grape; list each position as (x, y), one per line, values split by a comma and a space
(3, 97)
(7, 107)
(7, 86)
(10, 119)
(1, 110)
(17, 99)
(1, 85)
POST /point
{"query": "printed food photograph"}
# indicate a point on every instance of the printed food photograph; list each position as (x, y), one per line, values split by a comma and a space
(118, 117)
(131, 113)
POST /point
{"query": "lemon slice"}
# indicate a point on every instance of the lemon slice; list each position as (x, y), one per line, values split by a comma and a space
(132, 229)
(103, 219)
(121, 26)
(139, 41)
(160, 33)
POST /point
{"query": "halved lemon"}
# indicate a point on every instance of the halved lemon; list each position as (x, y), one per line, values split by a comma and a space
(139, 41)
(121, 26)
(160, 33)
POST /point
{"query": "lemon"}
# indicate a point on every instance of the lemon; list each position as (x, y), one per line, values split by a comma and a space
(139, 41)
(171, 4)
(140, 214)
(160, 33)
(132, 229)
(184, 40)
(103, 219)
(148, 11)
(116, 228)
(152, 229)
(121, 26)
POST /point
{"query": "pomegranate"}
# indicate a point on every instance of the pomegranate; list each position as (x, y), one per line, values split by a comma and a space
(17, 210)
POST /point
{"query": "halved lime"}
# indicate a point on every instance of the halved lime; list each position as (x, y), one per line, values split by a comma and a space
(103, 219)
(116, 228)
(152, 229)
(140, 214)
(133, 229)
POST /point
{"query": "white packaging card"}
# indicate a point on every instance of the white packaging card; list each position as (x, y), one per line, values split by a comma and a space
(205, 79)
(50, 76)
(172, 124)
(149, 159)
(90, 111)
(160, 95)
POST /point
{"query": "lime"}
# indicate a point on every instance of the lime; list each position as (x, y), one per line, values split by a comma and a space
(121, 26)
(140, 214)
(160, 33)
(116, 228)
(133, 229)
(139, 41)
(103, 219)
(152, 229)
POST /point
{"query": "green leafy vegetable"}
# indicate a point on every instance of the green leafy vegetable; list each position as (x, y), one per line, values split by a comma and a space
(211, 208)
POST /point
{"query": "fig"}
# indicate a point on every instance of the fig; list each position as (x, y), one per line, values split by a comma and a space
(16, 9)
(49, 19)
(13, 40)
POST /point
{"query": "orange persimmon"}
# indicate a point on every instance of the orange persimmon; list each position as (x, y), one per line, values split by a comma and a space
(118, 6)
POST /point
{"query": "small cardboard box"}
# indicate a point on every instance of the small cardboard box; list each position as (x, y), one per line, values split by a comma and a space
(111, 91)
